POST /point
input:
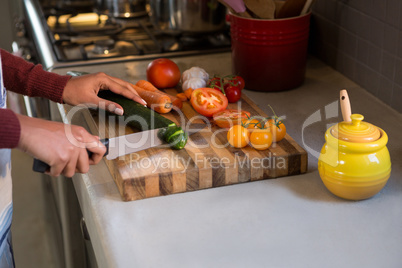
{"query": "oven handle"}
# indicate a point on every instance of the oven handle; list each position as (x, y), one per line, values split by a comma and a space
(84, 230)
(28, 107)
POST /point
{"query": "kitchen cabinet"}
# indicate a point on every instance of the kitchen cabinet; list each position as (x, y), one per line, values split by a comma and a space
(286, 222)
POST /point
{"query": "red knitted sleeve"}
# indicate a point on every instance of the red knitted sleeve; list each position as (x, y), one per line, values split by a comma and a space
(10, 129)
(26, 78)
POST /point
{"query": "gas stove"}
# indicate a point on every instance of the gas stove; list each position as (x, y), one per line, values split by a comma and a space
(67, 37)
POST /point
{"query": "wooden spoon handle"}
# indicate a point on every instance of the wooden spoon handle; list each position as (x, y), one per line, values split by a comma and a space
(345, 105)
(306, 7)
(245, 14)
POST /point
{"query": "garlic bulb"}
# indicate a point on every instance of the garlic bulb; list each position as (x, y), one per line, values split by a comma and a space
(195, 72)
(194, 83)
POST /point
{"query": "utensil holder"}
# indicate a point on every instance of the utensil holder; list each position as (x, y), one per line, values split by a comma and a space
(270, 54)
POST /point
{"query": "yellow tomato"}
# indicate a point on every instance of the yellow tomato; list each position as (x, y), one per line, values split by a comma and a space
(278, 129)
(252, 124)
(261, 139)
(238, 136)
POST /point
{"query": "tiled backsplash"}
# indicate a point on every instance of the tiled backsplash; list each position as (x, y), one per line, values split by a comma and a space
(362, 39)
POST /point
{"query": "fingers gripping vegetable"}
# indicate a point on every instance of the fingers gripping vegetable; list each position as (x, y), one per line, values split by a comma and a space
(143, 118)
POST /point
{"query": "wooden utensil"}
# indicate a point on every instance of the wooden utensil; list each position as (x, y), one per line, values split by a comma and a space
(278, 6)
(306, 7)
(263, 9)
(345, 105)
(291, 8)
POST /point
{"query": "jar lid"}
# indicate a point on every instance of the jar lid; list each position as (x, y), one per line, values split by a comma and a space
(356, 131)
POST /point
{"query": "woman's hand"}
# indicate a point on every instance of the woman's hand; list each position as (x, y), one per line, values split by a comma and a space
(84, 90)
(62, 147)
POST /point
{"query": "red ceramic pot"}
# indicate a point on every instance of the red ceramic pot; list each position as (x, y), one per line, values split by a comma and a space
(270, 54)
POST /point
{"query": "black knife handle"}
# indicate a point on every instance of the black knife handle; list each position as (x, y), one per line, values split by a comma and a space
(42, 167)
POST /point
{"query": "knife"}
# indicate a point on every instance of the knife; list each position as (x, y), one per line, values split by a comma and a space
(126, 144)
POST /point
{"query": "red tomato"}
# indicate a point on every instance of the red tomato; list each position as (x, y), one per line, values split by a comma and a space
(238, 81)
(215, 83)
(230, 117)
(208, 101)
(163, 73)
(233, 93)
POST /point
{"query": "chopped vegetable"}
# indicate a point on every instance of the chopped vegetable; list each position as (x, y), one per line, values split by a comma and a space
(175, 136)
(182, 96)
(230, 117)
(208, 101)
(188, 92)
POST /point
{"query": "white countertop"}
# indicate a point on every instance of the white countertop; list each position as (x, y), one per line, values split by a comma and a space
(285, 222)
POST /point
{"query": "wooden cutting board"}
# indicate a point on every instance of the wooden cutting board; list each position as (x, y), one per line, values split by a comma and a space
(207, 161)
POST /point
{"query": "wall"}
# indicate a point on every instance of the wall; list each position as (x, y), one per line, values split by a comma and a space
(362, 39)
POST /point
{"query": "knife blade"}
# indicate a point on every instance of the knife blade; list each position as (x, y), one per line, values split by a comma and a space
(126, 144)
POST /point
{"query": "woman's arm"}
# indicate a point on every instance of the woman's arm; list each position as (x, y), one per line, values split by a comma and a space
(26, 78)
(9, 129)
(63, 147)
(49, 141)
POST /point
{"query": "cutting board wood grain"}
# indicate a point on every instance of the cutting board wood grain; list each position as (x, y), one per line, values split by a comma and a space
(207, 161)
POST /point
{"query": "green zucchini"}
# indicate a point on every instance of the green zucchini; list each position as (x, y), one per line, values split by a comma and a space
(143, 118)
(136, 115)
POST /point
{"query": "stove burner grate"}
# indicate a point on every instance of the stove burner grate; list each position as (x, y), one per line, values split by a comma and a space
(89, 36)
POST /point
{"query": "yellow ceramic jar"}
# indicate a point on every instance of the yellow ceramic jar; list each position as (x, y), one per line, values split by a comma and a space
(354, 162)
